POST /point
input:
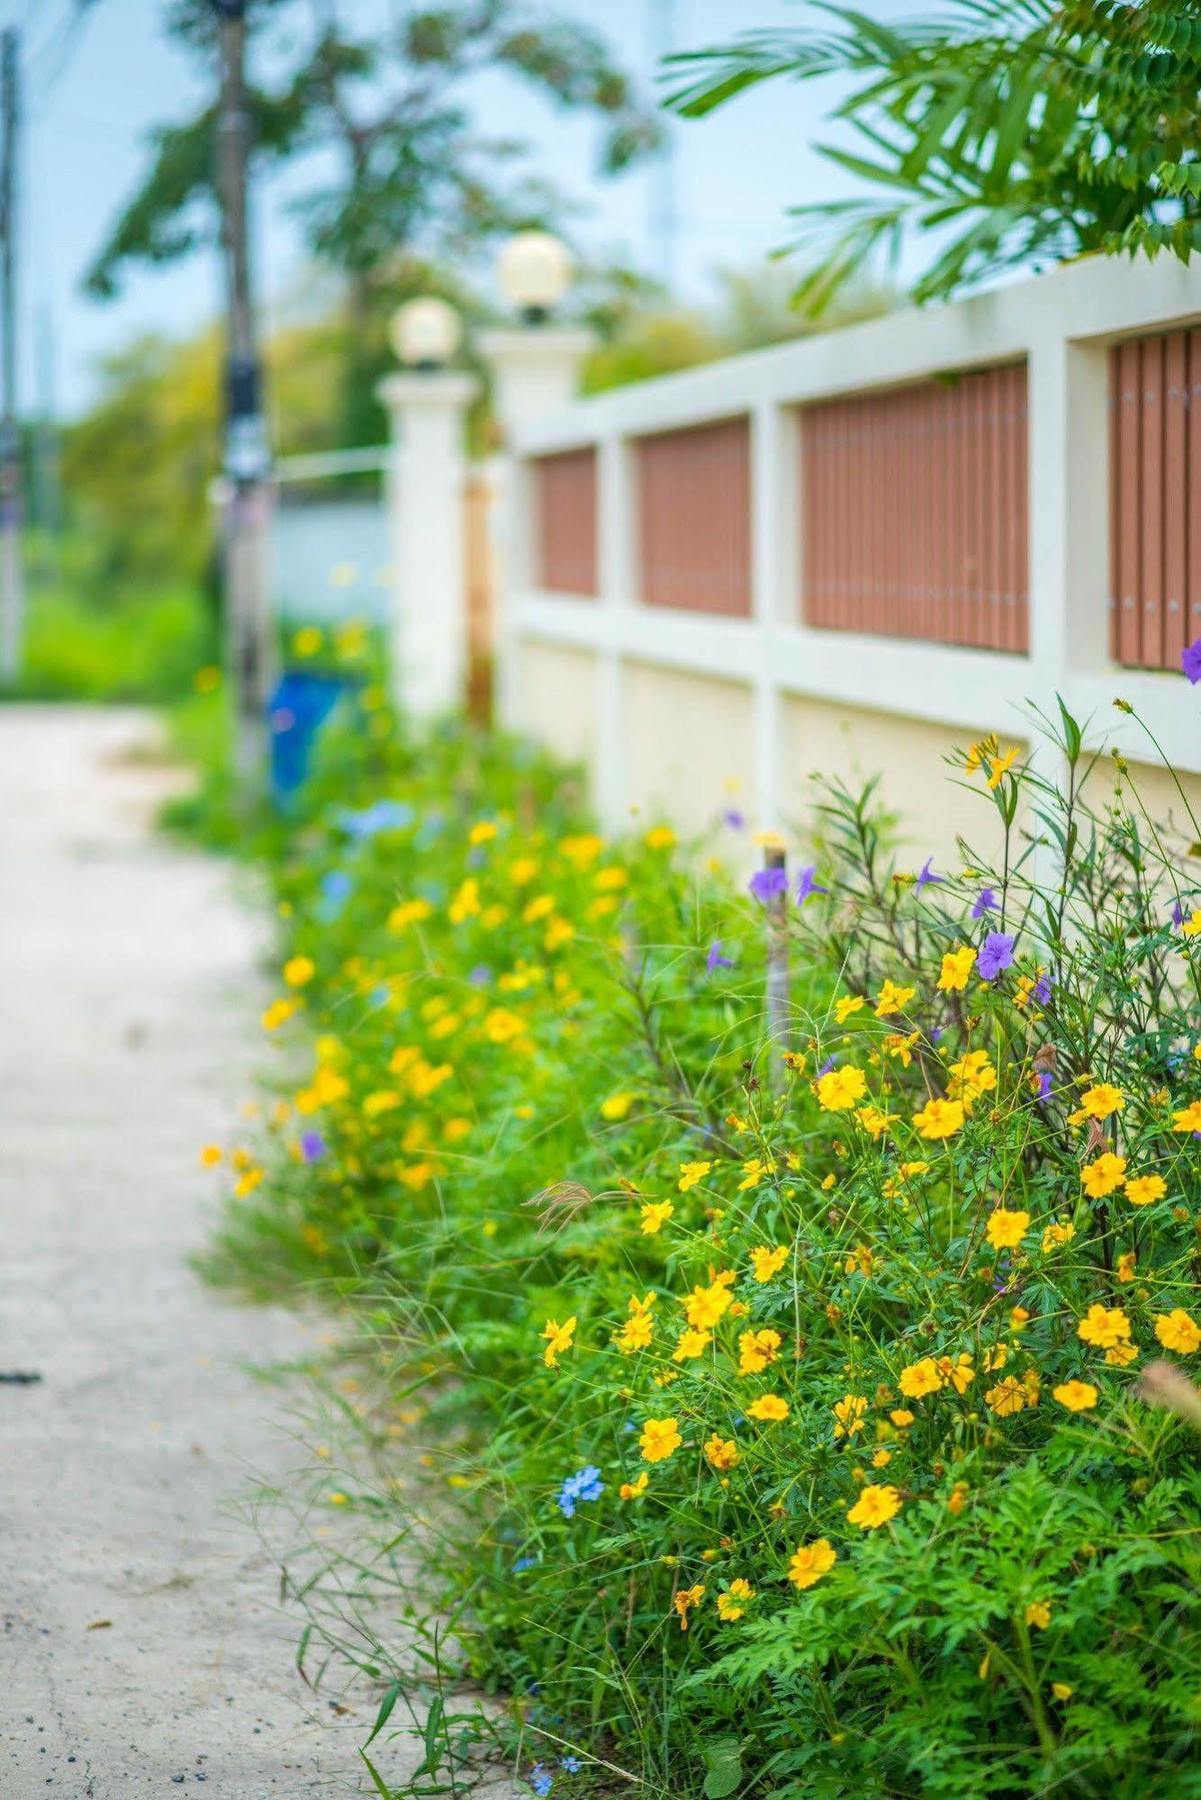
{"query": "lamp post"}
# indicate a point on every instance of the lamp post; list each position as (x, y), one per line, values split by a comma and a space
(427, 404)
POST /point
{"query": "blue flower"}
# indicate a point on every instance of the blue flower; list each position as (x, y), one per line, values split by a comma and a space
(313, 1146)
(480, 976)
(572, 1764)
(1044, 1088)
(734, 819)
(927, 874)
(336, 887)
(586, 1484)
(768, 884)
(807, 884)
(1178, 914)
(541, 1779)
(523, 1563)
(997, 954)
(986, 901)
(1041, 991)
(385, 815)
(715, 960)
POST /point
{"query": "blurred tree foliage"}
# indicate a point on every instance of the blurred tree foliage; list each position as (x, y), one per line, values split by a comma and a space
(1000, 132)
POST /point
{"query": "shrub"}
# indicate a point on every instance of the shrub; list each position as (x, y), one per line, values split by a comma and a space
(788, 1398)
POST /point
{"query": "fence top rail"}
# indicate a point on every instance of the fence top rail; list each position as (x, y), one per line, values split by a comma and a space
(319, 464)
(1093, 300)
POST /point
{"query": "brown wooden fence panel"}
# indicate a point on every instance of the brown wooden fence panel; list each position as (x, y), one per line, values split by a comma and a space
(914, 510)
(565, 515)
(1155, 498)
(694, 518)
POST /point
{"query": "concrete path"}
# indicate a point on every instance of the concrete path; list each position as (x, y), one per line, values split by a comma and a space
(141, 1652)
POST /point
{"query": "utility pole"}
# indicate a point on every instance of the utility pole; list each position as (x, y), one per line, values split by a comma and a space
(12, 584)
(249, 649)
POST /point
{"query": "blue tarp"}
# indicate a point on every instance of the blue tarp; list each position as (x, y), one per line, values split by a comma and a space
(298, 708)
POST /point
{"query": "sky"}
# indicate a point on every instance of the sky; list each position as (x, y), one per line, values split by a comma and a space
(94, 91)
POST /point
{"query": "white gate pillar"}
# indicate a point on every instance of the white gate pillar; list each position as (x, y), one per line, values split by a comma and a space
(426, 478)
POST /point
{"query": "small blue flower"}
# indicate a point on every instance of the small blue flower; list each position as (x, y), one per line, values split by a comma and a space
(336, 889)
(523, 1563)
(586, 1484)
(541, 1780)
(572, 1764)
(480, 976)
(715, 960)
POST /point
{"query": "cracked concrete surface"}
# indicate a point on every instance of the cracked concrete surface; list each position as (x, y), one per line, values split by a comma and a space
(141, 1652)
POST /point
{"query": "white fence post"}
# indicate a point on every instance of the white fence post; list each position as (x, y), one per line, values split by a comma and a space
(426, 477)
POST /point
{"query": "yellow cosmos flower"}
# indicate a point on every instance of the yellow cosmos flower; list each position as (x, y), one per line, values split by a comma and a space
(1124, 1267)
(1192, 925)
(851, 1003)
(466, 902)
(685, 1600)
(958, 1371)
(1006, 1229)
(972, 1076)
(482, 831)
(616, 1107)
(1190, 1118)
(920, 1378)
(755, 1171)
(999, 766)
(902, 1418)
(691, 1344)
(1055, 1236)
(635, 1334)
(1177, 1331)
(875, 1507)
(1038, 1614)
(1061, 1690)
(654, 1215)
(1103, 1175)
(409, 912)
(558, 1339)
(732, 1604)
(721, 1453)
(691, 1173)
(633, 1490)
(210, 1156)
(756, 1349)
(299, 970)
(278, 1013)
(840, 1089)
(769, 1407)
(704, 1306)
(875, 1122)
(956, 967)
(660, 1439)
(810, 1562)
(848, 1414)
(247, 1182)
(1077, 1396)
(766, 1263)
(1104, 1326)
(1009, 1396)
(939, 1119)
(892, 999)
(1100, 1101)
(1141, 1190)
(660, 837)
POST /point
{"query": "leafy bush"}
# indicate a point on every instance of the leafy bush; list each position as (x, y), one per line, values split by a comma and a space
(781, 1385)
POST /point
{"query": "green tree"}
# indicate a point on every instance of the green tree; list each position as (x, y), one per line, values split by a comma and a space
(1002, 132)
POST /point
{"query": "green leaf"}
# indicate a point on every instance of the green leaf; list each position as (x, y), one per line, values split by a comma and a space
(385, 1710)
(381, 1787)
(723, 1757)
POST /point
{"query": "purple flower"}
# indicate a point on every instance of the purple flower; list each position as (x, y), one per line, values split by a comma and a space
(734, 819)
(936, 1034)
(1041, 991)
(1177, 913)
(1044, 1087)
(1190, 661)
(996, 955)
(715, 960)
(927, 874)
(586, 1484)
(807, 884)
(313, 1146)
(768, 884)
(827, 1065)
(480, 976)
(986, 901)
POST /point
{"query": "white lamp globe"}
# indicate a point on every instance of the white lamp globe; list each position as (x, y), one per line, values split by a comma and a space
(534, 271)
(426, 332)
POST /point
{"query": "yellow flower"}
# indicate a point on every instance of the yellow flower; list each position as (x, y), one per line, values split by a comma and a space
(1192, 925)
(308, 640)
(659, 837)
(616, 1106)
(501, 1025)
(654, 1216)
(210, 1156)
(409, 912)
(633, 1490)
(1057, 1235)
(881, 1459)
(691, 1173)
(704, 1306)
(1098, 1102)
(298, 970)
(956, 967)
(278, 1013)
(939, 1119)
(636, 1333)
(1006, 1229)
(1104, 1326)
(1121, 1354)
(769, 1407)
(1000, 766)
(692, 1343)
(466, 902)
(902, 1418)
(1190, 1118)
(481, 831)
(721, 1453)
(843, 1008)
(1141, 1190)
(1101, 1176)
(810, 1562)
(874, 1507)
(583, 849)
(660, 1439)
(1038, 1614)
(875, 1122)
(756, 1349)
(247, 1183)
(766, 1263)
(958, 1371)
(971, 1076)
(920, 1378)
(892, 999)
(1007, 1397)
(685, 1600)
(558, 933)
(558, 1339)
(1077, 1396)
(1177, 1331)
(839, 1089)
(732, 1604)
(1124, 1267)
(1061, 1690)
(848, 1413)
(753, 1172)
